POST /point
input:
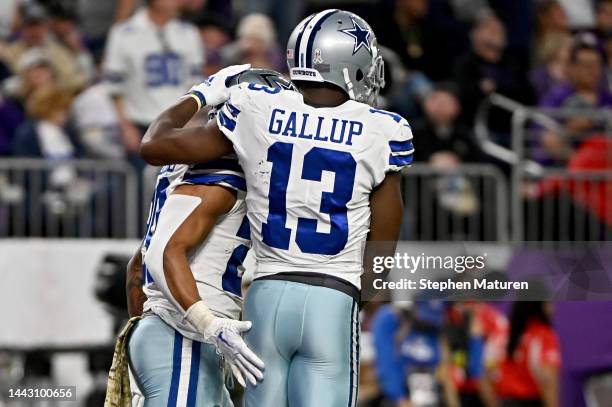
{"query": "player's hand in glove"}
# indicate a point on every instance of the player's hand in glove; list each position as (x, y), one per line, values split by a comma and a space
(225, 334)
(214, 90)
(242, 360)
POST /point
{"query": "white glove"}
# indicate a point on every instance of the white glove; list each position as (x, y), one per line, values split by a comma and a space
(225, 335)
(214, 90)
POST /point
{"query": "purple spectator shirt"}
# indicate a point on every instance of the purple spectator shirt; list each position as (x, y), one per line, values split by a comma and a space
(542, 81)
(565, 96)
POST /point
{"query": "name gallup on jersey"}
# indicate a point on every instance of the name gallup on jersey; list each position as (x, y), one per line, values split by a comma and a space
(303, 125)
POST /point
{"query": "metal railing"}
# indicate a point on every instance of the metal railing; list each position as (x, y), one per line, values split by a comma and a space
(565, 205)
(467, 203)
(74, 198)
(104, 199)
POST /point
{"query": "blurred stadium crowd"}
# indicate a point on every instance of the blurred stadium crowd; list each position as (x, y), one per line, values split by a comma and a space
(84, 78)
(428, 353)
(60, 63)
(76, 84)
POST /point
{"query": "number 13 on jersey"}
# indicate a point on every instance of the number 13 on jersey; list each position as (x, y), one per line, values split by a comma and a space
(275, 232)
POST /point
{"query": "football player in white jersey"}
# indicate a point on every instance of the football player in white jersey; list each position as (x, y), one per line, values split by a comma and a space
(197, 238)
(322, 172)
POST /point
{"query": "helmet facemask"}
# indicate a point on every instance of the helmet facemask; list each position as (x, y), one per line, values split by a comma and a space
(375, 79)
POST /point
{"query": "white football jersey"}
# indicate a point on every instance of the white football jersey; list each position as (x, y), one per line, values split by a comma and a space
(151, 67)
(217, 263)
(309, 174)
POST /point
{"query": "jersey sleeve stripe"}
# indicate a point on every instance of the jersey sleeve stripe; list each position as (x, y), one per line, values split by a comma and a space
(232, 110)
(216, 171)
(226, 121)
(217, 179)
(402, 153)
(199, 98)
(221, 164)
(400, 146)
(400, 160)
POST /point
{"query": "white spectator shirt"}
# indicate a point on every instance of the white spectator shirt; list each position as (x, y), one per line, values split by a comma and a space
(97, 123)
(55, 145)
(151, 66)
(580, 13)
(7, 17)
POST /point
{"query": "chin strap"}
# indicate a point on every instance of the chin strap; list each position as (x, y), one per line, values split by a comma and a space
(349, 84)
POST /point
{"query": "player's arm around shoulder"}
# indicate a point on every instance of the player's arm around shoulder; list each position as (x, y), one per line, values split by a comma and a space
(167, 141)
